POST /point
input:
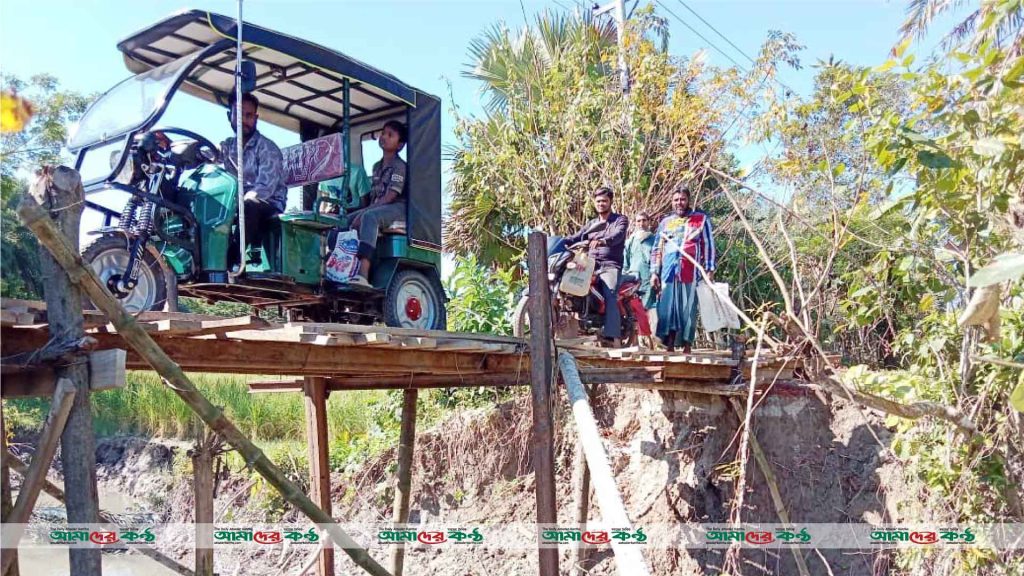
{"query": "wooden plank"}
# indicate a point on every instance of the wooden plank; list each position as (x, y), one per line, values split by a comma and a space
(14, 303)
(202, 487)
(230, 325)
(406, 446)
(460, 345)
(437, 334)
(177, 325)
(275, 386)
(12, 318)
(26, 383)
(327, 339)
(46, 447)
(106, 369)
(542, 448)
(315, 392)
(269, 335)
(679, 385)
(416, 342)
(275, 357)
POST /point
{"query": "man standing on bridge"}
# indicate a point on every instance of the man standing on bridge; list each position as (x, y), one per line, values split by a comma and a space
(684, 237)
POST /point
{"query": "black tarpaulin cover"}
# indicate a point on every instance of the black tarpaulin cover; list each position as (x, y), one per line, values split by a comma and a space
(424, 158)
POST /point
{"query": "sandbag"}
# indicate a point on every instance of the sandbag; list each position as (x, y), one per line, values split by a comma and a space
(343, 263)
(715, 314)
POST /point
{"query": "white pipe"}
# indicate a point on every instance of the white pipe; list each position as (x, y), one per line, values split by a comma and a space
(239, 145)
(628, 558)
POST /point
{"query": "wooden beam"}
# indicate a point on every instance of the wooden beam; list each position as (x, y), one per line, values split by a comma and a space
(37, 219)
(542, 446)
(202, 488)
(406, 447)
(46, 447)
(252, 356)
(106, 372)
(5, 503)
(60, 190)
(315, 391)
(628, 559)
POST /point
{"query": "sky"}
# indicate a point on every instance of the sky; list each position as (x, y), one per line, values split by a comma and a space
(425, 43)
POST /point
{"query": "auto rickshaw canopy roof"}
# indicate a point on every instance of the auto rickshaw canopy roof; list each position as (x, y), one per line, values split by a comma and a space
(296, 81)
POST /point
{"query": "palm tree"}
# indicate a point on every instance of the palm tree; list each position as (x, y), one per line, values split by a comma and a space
(511, 64)
(997, 21)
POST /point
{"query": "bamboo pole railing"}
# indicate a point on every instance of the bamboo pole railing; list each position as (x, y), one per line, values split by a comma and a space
(629, 559)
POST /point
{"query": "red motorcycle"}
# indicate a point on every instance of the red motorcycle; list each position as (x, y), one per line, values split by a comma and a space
(574, 315)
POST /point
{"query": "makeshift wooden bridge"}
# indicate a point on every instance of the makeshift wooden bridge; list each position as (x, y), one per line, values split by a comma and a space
(43, 345)
(353, 357)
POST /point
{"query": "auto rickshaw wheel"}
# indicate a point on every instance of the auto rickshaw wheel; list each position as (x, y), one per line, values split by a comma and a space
(108, 257)
(414, 300)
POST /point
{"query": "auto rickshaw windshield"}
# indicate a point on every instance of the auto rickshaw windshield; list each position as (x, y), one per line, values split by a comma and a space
(128, 105)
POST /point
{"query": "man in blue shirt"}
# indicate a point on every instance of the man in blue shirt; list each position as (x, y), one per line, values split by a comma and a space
(264, 179)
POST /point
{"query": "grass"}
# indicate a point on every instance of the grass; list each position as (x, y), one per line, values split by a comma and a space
(147, 407)
(360, 424)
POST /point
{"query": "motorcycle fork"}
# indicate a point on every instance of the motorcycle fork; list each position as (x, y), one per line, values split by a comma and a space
(144, 229)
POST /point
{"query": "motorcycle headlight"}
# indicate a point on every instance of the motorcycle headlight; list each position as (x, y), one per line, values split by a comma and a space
(571, 265)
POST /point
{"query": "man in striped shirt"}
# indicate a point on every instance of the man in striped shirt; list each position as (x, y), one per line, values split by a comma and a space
(684, 238)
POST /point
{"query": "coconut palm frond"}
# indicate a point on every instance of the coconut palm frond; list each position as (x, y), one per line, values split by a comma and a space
(920, 15)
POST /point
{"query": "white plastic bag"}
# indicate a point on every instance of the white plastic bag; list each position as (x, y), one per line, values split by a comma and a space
(343, 263)
(576, 280)
(715, 314)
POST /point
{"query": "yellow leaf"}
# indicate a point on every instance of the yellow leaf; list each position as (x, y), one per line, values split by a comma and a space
(900, 48)
(1017, 396)
(15, 112)
(926, 303)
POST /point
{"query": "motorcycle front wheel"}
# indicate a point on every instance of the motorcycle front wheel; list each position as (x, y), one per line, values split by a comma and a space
(108, 258)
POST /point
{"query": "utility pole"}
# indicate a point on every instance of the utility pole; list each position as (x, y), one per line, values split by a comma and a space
(618, 10)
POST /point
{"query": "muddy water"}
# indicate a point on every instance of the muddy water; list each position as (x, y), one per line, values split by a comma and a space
(54, 561)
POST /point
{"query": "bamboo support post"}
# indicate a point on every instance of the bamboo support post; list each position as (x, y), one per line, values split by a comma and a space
(5, 502)
(110, 524)
(315, 393)
(60, 407)
(59, 190)
(406, 448)
(541, 376)
(629, 559)
(40, 223)
(773, 486)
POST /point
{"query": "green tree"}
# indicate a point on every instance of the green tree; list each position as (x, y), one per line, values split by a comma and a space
(558, 125)
(38, 144)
